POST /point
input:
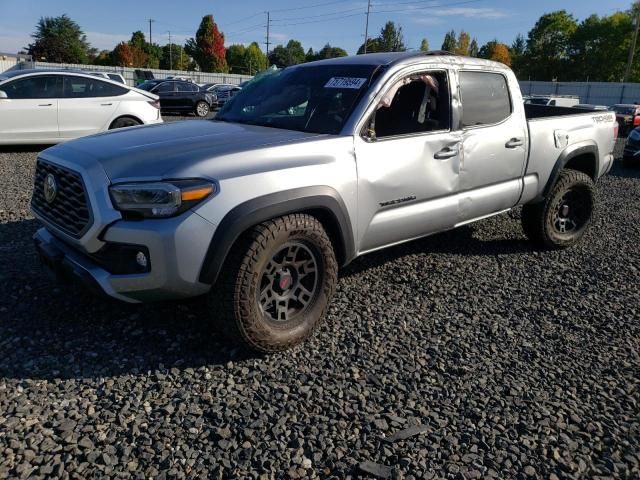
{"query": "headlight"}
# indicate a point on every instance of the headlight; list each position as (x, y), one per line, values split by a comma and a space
(161, 199)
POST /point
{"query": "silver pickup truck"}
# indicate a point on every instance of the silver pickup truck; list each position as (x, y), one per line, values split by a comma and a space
(303, 171)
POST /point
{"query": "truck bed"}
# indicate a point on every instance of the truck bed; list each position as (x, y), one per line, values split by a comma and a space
(533, 111)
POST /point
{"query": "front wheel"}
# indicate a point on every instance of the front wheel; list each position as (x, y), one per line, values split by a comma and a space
(562, 219)
(202, 109)
(276, 284)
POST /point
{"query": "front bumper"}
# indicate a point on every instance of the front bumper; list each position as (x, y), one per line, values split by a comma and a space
(176, 246)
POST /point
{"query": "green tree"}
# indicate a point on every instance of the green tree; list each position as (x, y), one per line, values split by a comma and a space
(255, 59)
(548, 46)
(174, 58)
(517, 52)
(152, 52)
(60, 40)
(474, 50)
(285, 56)
(391, 39)
(424, 45)
(103, 58)
(450, 42)
(207, 48)
(326, 52)
(235, 59)
(463, 43)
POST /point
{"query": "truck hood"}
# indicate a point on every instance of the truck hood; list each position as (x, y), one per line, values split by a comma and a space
(173, 150)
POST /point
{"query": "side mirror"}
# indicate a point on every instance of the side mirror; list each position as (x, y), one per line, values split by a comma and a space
(3, 94)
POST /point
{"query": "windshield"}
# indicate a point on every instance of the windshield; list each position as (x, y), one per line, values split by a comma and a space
(315, 99)
(147, 85)
(624, 110)
(537, 101)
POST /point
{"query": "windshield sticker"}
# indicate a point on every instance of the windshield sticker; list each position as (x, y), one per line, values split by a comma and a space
(345, 82)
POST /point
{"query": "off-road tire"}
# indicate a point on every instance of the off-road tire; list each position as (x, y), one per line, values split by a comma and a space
(540, 220)
(124, 122)
(235, 303)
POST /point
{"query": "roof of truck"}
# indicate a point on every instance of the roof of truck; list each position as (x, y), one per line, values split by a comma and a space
(389, 58)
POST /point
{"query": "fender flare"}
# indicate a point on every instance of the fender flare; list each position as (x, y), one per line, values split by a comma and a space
(257, 210)
(572, 151)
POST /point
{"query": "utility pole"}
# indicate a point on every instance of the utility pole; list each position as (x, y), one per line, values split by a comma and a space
(170, 53)
(151, 20)
(366, 26)
(268, 24)
(632, 50)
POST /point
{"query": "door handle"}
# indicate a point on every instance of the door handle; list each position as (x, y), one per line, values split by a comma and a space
(45, 104)
(106, 104)
(514, 142)
(445, 153)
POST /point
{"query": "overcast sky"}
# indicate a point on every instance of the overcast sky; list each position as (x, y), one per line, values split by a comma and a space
(313, 22)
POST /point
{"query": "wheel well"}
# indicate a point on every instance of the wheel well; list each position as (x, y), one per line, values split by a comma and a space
(331, 225)
(585, 163)
(125, 116)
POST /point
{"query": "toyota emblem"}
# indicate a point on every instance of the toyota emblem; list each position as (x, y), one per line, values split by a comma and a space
(50, 188)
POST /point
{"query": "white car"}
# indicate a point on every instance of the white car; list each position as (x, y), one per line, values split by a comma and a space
(51, 106)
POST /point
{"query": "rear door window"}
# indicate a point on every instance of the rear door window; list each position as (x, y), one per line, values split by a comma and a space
(82, 87)
(165, 87)
(485, 98)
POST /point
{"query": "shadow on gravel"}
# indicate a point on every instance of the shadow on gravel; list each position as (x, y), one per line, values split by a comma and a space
(50, 330)
(618, 170)
(23, 148)
(455, 242)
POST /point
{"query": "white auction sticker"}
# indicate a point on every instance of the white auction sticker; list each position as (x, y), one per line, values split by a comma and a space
(345, 82)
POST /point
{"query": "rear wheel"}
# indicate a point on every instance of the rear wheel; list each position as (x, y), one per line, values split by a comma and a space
(124, 122)
(563, 217)
(202, 109)
(276, 284)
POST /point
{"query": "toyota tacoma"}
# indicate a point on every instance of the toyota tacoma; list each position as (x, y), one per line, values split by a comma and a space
(306, 169)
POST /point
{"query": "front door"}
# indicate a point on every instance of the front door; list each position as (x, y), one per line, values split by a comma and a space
(30, 111)
(408, 163)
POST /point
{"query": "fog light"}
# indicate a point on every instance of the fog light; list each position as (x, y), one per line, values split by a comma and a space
(141, 259)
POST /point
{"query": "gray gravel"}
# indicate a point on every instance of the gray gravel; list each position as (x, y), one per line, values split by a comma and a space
(509, 362)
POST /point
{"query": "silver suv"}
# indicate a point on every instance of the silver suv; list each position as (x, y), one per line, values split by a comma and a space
(306, 169)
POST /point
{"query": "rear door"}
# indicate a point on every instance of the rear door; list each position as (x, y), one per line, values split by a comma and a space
(30, 113)
(87, 106)
(167, 95)
(185, 95)
(494, 145)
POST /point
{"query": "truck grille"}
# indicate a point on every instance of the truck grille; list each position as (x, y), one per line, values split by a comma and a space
(69, 209)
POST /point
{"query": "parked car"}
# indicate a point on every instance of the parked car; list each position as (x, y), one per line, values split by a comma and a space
(631, 155)
(222, 91)
(628, 116)
(116, 77)
(593, 108)
(178, 96)
(258, 207)
(553, 100)
(51, 106)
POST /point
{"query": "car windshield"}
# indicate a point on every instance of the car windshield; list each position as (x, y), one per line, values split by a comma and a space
(624, 110)
(537, 101)
(147, 85)
(316, 99)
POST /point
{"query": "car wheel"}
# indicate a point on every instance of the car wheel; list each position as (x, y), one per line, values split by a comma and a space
(202, 109)
(124, 122)
(563, 217)
(276, 284)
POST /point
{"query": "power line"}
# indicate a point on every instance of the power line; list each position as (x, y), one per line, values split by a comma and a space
(307, 6)
(316, 16)
(321, 20)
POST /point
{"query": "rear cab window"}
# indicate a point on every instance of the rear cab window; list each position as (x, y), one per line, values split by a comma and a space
(485, 98)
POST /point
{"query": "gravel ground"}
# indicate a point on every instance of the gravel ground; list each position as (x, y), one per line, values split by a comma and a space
(514, 363)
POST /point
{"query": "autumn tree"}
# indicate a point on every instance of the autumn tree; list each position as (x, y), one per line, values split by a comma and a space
(424, 45)
(463, 43)
(496, 51)
(473, 48)
(122, 55)
(207, 48)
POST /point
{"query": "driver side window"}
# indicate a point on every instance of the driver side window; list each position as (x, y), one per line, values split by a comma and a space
(418, 103)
